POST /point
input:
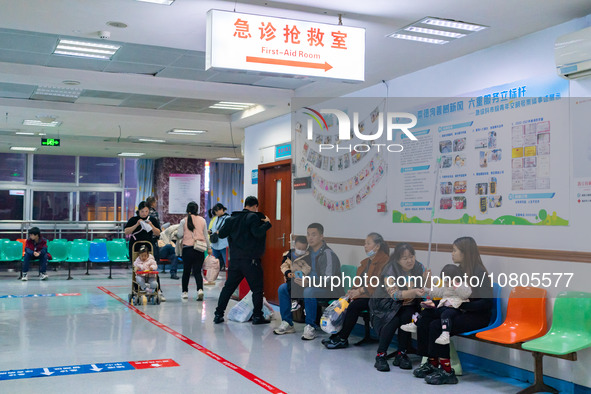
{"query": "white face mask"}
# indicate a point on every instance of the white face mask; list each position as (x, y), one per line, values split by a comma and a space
(299, 252)
(371, 253)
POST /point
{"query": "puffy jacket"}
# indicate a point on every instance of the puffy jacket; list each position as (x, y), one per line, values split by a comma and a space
(246, 233)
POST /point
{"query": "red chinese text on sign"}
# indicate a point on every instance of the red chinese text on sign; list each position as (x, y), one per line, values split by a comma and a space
(267, 32)
(315, 37)
(292, 34)
(242, 29)
(339, 40)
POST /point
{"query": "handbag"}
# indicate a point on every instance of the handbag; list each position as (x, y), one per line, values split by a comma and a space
(200, 246)
(215, 237)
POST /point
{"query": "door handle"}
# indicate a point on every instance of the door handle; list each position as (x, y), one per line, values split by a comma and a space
(282, 238)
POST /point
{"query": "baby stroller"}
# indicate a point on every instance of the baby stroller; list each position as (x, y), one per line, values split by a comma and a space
(137, 295)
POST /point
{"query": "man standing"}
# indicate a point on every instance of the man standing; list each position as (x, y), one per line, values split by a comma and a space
(246, 231)
(320, 261)
(35, 248)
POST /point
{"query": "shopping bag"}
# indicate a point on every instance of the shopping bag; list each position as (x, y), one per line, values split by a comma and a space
(211, 266)
(242, 311)
(334, 316)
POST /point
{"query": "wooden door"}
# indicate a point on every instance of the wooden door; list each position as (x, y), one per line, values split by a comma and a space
(274, 196)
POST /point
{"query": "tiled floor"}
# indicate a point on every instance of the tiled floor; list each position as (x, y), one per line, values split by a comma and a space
(37, 332)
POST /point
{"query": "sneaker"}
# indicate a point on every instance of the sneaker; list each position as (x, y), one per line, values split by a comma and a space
(381, 364)
(185, 295)
(443, 338)
(410, 327)
(404, 362)
(284, 328)
(442, 377)
(200, 295)
(424, 370)
(309, 333)
(162, 298)
(256, 320)
(337, 343)
(24, 278)
(174, 276)
(217, 319)
(44, 276)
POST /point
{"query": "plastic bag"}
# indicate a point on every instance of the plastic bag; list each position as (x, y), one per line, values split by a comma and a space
(212, 267)
(242, 311)
(267, 310)
(334, 316)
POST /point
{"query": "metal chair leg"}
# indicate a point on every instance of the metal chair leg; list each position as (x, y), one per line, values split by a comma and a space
(539, 386)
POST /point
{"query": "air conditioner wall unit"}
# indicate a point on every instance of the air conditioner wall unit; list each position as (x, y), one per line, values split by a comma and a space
(572, 53)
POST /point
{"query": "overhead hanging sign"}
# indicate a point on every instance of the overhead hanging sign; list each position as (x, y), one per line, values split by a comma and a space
(285, 46)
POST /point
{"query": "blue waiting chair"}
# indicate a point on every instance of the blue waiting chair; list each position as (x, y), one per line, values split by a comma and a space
(98, 254)
(496, 318)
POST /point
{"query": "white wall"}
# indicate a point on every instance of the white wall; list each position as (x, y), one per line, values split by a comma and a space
(519, 59)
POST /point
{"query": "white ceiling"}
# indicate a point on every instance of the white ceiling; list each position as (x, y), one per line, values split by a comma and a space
(157, 81)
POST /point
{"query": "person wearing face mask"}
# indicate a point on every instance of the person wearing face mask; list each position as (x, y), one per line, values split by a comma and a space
(377, 252)
(301, 244)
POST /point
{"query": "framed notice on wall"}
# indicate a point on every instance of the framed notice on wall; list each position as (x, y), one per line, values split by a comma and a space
(182, 189)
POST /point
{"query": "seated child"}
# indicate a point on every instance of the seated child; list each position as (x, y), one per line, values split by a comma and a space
(453, 293)
(301, 244)
(146, 262)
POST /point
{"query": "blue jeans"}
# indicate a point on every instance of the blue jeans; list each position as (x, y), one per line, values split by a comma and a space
(42, 261)
(167, 252)
(220, 254)
(310, 304)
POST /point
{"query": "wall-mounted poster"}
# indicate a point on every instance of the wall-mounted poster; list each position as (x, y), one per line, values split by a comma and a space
(182, 189)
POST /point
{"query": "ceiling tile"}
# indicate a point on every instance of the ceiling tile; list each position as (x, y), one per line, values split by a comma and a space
(77, 63)
(145, 54)
(13, 90)
(145, 101)
(133, 68)
(20, 57)
(194, 61)
(24, 41)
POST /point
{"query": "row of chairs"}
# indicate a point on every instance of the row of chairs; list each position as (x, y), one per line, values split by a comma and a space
(77, 251)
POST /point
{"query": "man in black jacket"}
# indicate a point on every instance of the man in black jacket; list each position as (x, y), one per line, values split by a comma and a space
(246, 230)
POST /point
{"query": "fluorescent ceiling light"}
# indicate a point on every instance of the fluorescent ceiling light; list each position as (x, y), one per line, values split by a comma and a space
(231, 105)
(163, 2)
(57, 91)
(32, 122)
(131, 154)
(24, 133)
(86, 49)
(150, 140)
(23, 148)
(417, 38)
(186, 131)
(453, 24)
(435, 32)
(227, 158)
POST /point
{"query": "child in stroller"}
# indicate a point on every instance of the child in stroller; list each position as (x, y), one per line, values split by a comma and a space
(145, 276)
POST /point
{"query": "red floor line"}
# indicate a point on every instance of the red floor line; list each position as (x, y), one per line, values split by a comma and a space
(195, 345)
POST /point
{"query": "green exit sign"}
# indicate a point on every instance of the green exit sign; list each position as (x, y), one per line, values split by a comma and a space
(50, 142)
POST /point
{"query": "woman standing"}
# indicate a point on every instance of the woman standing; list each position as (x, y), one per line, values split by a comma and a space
(475, 315)
(394, 303)
(377, 252)
(193, 228)
(219, 245)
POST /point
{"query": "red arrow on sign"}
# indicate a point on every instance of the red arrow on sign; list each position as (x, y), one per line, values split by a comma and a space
(291, 63)
(153, 364)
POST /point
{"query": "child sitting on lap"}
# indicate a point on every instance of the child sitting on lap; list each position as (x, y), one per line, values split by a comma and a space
(453, 293)
(146, 262)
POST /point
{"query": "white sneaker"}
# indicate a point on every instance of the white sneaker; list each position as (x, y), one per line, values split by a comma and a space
(309, 333)
(410, 327)
(162, 298)
(24, 278)
(284, 328)
(443, 338)
(200, 295)
(185, 295)
(44, 276)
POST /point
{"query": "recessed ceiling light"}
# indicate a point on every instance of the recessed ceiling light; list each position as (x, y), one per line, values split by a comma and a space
(227, 158)
(186, 131)
(163, 2)
(131, 154)
(57, 91)
(150, 140)
(417, 38)
(86, 49)
(453, 24)
(23, 148)
(119, 25)
(435, 32)
(31, 122)
(71, 82)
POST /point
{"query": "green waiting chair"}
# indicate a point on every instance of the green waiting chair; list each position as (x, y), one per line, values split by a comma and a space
(117, 252)
(571, 326)
(78, 252)
(11, 251)
(99, 240)
(59, 253)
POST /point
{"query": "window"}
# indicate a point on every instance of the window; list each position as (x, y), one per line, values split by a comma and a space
(99, 170)
(52, 205)
(97, 206)
(12, 204)
(12, 167)
(47, 168)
